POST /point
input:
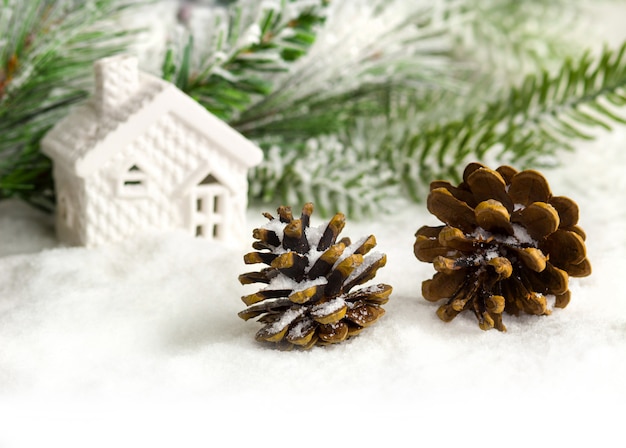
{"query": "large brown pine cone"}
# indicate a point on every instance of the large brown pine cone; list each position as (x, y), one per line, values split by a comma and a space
(308, 299)
(508, 245)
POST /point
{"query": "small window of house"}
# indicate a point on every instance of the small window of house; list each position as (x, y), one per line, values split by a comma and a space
(133, 183)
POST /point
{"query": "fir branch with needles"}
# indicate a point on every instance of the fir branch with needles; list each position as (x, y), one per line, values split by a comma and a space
(233, 68)
(529, 127)
(352, 102)
(309, 124)
(388, 47)
(45, 66)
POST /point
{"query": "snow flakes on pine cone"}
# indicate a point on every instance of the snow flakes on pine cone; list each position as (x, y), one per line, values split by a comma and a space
(508, 245)
(308, 298)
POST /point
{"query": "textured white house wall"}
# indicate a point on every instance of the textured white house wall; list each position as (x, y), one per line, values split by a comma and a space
(167, 154)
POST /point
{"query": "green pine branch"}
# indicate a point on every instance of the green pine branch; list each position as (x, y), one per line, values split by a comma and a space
(347, 129)
(317, 127)
(382, 157)
(46, 62)
(356, 74)
(236, 64)
(529, 126)
(427, 132)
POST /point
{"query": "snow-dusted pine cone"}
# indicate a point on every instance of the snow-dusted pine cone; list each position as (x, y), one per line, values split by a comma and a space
(310, 275)
(508, 245)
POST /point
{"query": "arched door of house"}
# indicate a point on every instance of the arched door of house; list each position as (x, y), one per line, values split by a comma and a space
(210, 205)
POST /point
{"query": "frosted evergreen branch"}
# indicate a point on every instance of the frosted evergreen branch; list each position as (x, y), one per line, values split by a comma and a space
(46, 66)
(326, 170)
(250, 41)
(387, 93)
(425, 140)
(510, 37)
(528, 127)
(365, 50)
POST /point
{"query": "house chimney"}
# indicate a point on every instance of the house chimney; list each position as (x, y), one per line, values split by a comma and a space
(116, 78)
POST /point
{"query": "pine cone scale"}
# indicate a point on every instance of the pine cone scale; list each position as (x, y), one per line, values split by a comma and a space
(551, 280)
(582, 269)
(267, 306)
(529, 186)
(329, 312)
(302, 333)
(306, 295)
(264, 295)
(451, 210)
(532, 258)
(364, 314)
(333, 333)
(334, 228)
(562, 300)
(539, 219)
(442, 286)
(486, 184)
(458, 192)
(428, 249)
(492, 216)
(326, 261)
(377, 294)
(565, 248)
(365, 271)
(266, 236)
(567, 209)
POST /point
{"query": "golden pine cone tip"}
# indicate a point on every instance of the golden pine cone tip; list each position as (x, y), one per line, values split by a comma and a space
(310, 275)
(507, 244)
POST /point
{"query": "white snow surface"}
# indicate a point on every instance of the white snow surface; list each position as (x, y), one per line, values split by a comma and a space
(139, 343)
(327, 308)
(146, 331)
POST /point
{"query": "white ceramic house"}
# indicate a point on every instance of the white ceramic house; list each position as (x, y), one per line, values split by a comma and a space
(140, 155)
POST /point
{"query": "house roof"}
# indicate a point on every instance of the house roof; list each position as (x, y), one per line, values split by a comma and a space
(85, 139)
